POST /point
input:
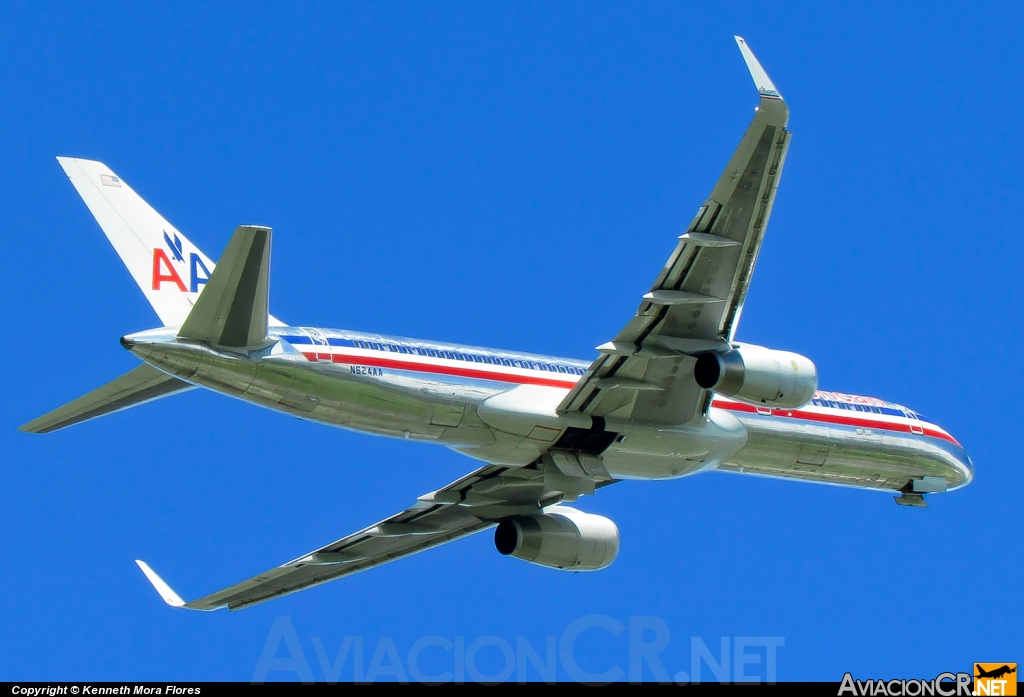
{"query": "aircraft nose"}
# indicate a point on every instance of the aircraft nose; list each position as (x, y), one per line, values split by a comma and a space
(965, 465)
(959, 466)
(969, 464)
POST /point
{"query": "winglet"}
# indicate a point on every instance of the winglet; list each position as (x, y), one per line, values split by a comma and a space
(765, 86)
(169, 596)
(773, 107)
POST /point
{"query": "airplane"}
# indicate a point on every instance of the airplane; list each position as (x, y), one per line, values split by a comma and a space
(671, 395)
(996, 672)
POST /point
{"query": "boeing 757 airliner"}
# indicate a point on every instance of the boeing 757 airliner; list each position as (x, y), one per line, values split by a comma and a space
(672, 394)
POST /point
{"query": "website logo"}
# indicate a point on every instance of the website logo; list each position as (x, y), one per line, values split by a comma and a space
(995, 679)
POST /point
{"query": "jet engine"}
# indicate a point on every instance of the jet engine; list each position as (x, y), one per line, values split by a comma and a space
(562, 538)
(758, 375)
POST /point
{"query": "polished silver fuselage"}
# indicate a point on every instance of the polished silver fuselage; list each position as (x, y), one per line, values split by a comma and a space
(501, 407)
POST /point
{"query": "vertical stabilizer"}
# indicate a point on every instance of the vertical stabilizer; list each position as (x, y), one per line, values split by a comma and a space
(169, 269)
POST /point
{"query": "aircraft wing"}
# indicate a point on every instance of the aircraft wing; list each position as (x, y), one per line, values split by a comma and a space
(473, 503)
(646, 372)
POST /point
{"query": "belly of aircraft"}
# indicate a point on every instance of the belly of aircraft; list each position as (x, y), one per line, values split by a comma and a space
(386, 403)
(480, 419)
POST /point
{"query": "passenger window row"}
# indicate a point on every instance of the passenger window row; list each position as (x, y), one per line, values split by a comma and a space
(864, 407)
(469, 357)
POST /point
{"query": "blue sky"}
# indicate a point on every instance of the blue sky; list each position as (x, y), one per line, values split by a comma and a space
(509, 175)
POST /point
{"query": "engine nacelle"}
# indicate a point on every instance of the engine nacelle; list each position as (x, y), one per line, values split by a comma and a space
(562, 538)
(758, 375)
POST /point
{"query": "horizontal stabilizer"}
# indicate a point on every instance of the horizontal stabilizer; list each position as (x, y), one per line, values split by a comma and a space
(144, 384)
(232, 311)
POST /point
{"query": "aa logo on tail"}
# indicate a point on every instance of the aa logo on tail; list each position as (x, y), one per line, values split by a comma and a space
(995, 678)
(164, 270)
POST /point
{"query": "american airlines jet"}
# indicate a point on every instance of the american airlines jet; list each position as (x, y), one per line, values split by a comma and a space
(672, 394)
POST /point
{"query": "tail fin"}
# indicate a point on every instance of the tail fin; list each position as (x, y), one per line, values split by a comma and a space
(233, 310)
(144, 384)
(170, 270)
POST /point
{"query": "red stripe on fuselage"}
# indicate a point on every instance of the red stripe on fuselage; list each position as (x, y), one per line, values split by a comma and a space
(443, 370)
(836, 419)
